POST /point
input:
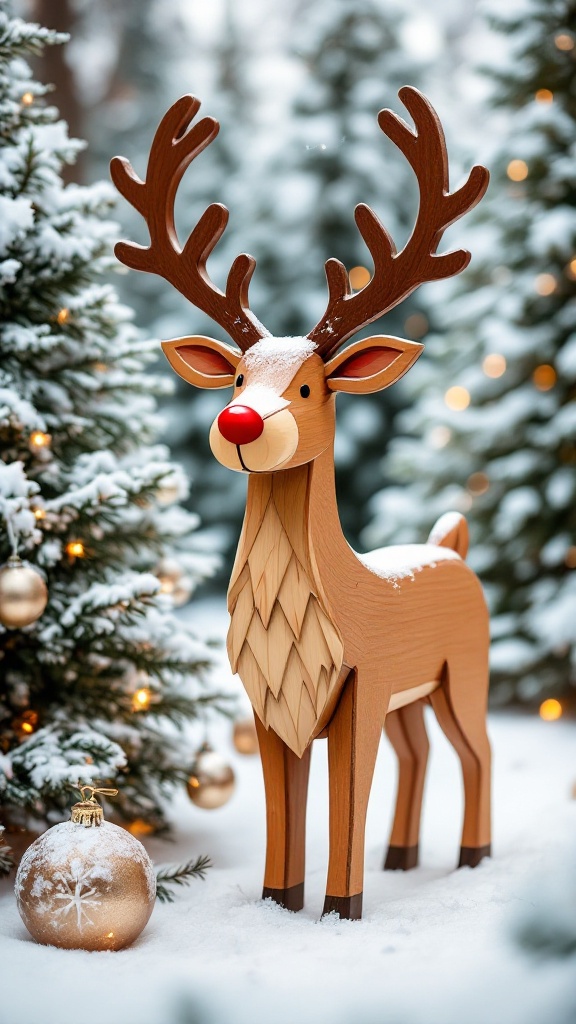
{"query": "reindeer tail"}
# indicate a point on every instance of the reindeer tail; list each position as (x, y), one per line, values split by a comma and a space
(451, 531)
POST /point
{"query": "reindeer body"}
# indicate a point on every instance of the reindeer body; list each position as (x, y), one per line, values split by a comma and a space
(329, 643)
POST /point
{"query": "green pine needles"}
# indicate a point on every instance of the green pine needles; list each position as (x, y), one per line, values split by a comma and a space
(88, 495)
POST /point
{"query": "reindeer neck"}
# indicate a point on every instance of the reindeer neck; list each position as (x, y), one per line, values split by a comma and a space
(283, 640)
(305, 500)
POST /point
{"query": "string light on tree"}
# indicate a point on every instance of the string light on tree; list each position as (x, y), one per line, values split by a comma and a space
(457, 398)
(63, 316)
(359, 278)
(478, 483)
(544, 377)
(517, 170)
(142, 699)
(25, 724)
(75, 549)
(440, 436)
(494, 365)
(550, 710)
(545, 284)
(544, 96)
(563, 41)
(39, 441)
(27, 99)
(416, 325)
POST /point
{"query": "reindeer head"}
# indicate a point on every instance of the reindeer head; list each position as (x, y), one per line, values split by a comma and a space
(282, 410)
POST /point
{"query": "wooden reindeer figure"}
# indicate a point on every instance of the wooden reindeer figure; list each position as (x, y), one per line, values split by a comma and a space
(329, 643)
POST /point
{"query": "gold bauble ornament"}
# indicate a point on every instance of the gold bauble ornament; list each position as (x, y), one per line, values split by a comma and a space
(211, 781)
(23, 593)
(86, 883)
(245, 737)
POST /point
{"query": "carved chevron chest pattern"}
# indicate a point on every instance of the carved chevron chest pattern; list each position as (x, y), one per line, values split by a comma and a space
(281, 640)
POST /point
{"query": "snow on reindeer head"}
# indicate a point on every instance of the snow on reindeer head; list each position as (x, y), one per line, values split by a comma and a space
(282, 411)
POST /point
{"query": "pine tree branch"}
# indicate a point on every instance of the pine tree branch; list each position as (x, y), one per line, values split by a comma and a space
(179, 875)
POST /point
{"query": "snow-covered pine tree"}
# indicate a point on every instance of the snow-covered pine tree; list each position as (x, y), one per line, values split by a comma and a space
(492, 430)
(100, 686)
(333, 158)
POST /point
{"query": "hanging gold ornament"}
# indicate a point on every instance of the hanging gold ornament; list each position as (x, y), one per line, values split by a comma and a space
(86, 883)
(211, 781)
(23, 593)
(245, 737)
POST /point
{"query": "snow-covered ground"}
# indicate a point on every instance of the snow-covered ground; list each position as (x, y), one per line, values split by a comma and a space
(435, 946)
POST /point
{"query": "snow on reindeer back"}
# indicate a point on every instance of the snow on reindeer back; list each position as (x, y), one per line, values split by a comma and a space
(403, 561)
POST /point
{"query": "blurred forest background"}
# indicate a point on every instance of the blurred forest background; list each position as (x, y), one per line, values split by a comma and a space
(486, 422)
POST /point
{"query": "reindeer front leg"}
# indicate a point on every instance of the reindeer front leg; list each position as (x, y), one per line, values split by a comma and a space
(286, 787)
(353, 739)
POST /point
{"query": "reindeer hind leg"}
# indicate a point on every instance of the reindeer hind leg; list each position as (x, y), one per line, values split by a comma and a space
(460, 707)
(406, 731)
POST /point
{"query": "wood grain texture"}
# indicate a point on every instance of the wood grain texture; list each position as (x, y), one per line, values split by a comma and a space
(281, 640)
(324, 645)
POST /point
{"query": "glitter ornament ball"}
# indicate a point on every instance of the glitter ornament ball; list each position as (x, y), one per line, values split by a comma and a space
(211, 781)
(245, 737)
(23, 594)
(86, 884)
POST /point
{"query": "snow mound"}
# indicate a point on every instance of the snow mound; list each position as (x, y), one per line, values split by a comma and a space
(403, 561)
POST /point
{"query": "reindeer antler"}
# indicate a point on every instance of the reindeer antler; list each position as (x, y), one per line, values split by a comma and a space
(398, 274)
(174, 147)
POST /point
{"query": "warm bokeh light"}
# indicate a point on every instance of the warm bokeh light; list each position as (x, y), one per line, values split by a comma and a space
(517, 170)
(359, 277)
(571, 557)
(439, 436)
(75, 549)
(167, 584)
(63, 316)
(494, 365)
(39, 513)
(38, 439)
(139, 827)
(550, 710)
(141, 699)
(457, 398)
(545, 284)
(563, 41)
(28, 99)
(28, 722)
(544, 96)
(544, 377)
(478, 483)
(416, 325)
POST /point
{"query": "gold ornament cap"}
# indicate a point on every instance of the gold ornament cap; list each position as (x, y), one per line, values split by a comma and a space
(89, 812)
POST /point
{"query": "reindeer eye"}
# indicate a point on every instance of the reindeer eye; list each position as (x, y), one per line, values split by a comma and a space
(239, 380)
(305, 391)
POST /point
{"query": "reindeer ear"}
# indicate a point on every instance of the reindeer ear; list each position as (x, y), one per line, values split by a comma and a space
(205, 362)
(371, 364)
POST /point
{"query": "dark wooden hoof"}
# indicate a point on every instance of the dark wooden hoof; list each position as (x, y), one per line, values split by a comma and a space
(401, 858)
(347, 907)
(291, 898)
(470, 856)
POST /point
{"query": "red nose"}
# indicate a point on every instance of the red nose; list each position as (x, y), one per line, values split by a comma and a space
(240, 424)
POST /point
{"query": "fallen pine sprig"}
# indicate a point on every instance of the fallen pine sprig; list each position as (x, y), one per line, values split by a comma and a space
(181, 874)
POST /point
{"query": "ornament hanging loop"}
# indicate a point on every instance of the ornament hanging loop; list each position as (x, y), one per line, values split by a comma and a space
(89, 812)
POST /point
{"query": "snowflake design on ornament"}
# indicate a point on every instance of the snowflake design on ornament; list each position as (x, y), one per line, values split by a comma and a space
(77, 892)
